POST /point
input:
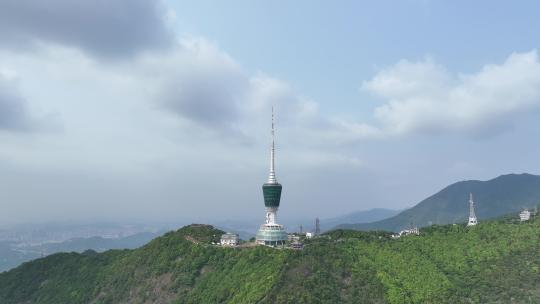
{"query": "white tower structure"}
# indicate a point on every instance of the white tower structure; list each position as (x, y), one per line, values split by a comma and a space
(271, 233)
(271, 209)
(472, 216)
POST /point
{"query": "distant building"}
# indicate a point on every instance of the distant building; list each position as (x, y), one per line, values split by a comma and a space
(230, 239)
(410, 231)
(317, 226)
(293, 237)
(472, 216)
(297, 245)
(309, 235)
(524, 215)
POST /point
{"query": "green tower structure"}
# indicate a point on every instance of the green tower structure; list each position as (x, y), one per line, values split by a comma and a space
(272, 194)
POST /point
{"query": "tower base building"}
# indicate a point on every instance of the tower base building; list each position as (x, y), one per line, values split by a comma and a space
(271, 235)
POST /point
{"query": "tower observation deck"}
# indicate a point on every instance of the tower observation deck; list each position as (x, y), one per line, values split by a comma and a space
(271, 233)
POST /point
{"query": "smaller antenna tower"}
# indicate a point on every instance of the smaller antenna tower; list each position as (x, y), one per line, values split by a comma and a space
(472, 216)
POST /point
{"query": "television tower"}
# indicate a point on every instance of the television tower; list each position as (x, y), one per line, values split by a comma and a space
(317, 227)
(271, 233)
(472, 216)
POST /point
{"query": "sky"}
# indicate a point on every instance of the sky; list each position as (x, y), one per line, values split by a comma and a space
(148, 110)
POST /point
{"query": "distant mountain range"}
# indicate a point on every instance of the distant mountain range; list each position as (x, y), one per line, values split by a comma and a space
(13, 254)
(247, 229)
(100, 244)
(364, 216)
(502, 195)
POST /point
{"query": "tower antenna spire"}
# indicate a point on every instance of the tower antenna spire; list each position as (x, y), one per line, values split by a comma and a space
(272, 175)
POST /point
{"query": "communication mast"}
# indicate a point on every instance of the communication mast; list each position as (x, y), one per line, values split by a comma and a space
(472, 216)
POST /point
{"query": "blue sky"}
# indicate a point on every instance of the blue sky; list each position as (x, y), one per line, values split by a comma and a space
(160, 110)
(326, 49)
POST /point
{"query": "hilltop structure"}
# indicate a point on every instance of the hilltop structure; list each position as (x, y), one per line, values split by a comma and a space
(412, 230)
(230, 239)
(524, 215)
(472, 216)
(271, 233)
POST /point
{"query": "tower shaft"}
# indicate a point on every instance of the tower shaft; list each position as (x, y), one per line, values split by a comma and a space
(271, 215)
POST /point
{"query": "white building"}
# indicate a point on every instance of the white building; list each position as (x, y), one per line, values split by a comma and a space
(293, 237)
(309, 235)
(410, 231)
(230, 239)
(524, 215)
(297, 245)
(413, 230)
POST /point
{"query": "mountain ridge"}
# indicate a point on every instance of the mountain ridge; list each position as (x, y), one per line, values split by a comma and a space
(495, 197)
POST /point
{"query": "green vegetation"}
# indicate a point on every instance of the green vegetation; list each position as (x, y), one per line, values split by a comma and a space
(494, 198)
(494, 262)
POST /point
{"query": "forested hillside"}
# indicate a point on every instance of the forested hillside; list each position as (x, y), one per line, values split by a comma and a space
(494, 262)
(493, 198)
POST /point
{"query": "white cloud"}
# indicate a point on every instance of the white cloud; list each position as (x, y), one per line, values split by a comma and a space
(266, 91)
(193, 93)
(198, 82)
(424, 97)
(131, 133)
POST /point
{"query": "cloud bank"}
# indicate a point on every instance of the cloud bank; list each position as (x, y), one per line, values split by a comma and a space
(149, 118)
(424, 98)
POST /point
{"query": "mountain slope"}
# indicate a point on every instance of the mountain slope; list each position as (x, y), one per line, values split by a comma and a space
(364, 216)
(446, 264)
(493, 198)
